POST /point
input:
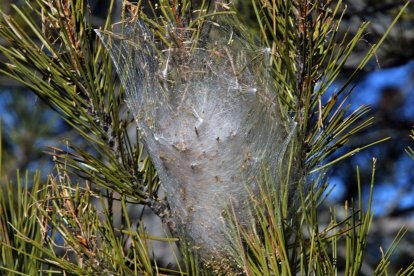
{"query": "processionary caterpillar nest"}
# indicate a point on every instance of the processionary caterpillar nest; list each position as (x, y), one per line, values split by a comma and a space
(208, 114)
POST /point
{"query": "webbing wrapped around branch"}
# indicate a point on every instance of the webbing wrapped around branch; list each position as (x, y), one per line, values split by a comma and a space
(209, 117)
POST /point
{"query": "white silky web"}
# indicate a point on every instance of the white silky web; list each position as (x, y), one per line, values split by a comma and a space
(209, 117)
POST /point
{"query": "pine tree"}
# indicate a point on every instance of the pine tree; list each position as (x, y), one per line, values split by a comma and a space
(68, 224)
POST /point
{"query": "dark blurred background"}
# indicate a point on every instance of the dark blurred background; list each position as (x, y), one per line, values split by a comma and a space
(387, 84)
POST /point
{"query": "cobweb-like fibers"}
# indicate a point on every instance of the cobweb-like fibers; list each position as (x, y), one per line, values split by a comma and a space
(209, 117)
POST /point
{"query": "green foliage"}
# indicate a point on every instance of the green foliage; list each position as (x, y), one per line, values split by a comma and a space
(74, 76)
(307, 58)
(272, 247)
(273, 244)
(19, 213)
(56, 227)
(66, 227)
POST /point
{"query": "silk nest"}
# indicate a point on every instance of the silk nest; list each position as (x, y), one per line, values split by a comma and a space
(209, 117)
